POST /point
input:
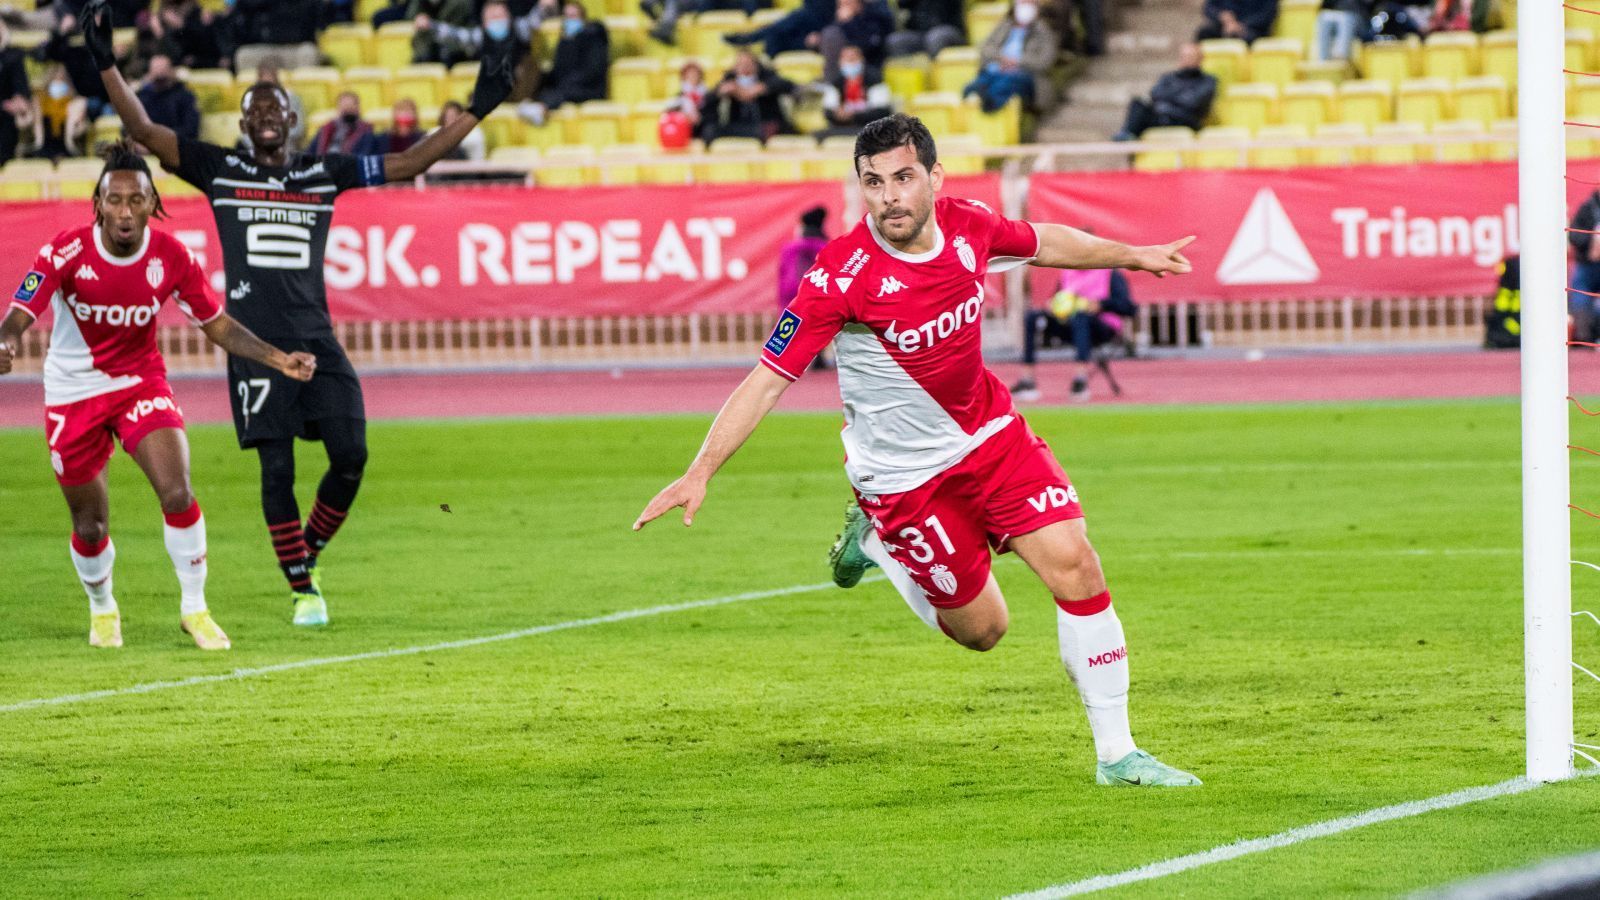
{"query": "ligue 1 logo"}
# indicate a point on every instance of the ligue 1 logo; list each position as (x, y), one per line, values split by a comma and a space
(965, 254)
(154, 272)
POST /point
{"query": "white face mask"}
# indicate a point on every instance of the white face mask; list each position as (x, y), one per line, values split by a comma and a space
(58, 89)
(1025, 14)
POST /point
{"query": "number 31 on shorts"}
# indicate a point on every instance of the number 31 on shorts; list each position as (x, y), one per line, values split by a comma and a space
(921, 550)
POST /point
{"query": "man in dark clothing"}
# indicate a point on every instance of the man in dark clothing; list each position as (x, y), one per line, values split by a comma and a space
(1502, 323)
(930, 26)
(66, 47)
(578, 73)
(857, 23)
(746, 103)
(169, 101)
(1242, 19)
(275, 21)
(791, 31)
(187, 33)
(1180, 97)
(15, 95)
(856, 97)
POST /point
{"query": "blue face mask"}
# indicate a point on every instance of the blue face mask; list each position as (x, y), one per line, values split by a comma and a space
(745, 81)
(497, 29)
(571, 27)
(58, 90)
(850, 69)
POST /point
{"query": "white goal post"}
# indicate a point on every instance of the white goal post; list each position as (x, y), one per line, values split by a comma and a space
(1546, 520)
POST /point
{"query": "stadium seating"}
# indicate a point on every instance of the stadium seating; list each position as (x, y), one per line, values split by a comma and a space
(1174, 146)
(627, 173)
(391, 45)
(348, 45)
(213, 89)
(1268, 156)
(788, 170)
(426, 84)
(1221, 157)
(318, 86)
(1327, 153)
(1297, 19)
(1498, 55)
(1366, 101)
(1308, 103)
(1450, 55)
(1391, 61)
(1397, 153)
(1273, 60)
(954, 69)
(1466, 152)
(1251, 105)
(1423, 100)
(1483, 99)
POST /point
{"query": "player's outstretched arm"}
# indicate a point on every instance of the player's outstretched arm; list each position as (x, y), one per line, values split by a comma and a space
(496, 74)
(1061, 247)
(161, 140)
(11, 337)
(746, 407)
(226, 332)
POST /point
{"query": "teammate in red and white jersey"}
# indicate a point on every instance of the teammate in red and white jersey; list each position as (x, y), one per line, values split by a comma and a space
(104, 379)
(943, 466)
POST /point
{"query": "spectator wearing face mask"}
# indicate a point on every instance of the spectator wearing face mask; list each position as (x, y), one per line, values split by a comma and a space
(746, 103)
(855, 97)
(857, 23)
(496, 23)
(59, 117)
(169, 101)
(1016, 60)
(347, 133)
(444, 29)
(405, 131)
(66, 47)
(578, 72)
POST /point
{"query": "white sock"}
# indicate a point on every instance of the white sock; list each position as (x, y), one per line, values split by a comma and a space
(187, 547)
(1096, 656)
(901, 579)
(95, 574)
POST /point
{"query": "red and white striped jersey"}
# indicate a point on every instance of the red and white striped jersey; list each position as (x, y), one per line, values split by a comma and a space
(907, 330)
(104, 336)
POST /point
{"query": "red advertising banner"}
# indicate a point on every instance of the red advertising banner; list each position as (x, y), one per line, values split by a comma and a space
(1373, 231)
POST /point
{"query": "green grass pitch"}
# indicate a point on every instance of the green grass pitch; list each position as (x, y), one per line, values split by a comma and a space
(1322, 604)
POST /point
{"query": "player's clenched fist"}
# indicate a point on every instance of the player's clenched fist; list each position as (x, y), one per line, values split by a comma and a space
(299, 366)
(1164, 259)
(685, 492)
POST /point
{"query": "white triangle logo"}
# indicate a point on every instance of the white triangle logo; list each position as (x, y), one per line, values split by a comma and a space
(1267, 249)
(844, 283)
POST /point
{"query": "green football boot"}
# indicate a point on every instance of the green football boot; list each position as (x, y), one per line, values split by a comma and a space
(310, 609)
(846, 558)
(1140, 769)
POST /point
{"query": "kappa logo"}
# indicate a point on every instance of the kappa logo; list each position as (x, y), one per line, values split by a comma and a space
(890, 285)
(1054, 497)
(943, 578)
(154, 273)
(818, 279)
(86, 273)
(1267, 249)
(966, 254)
(1109, 657)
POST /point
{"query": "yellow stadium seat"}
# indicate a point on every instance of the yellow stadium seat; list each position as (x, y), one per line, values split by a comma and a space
(1250, 105)
(906, 76)
(1226, 58)
(1297, 19)
(76, 178)
(503, 128)
(982, 19)
(1459, 152)
(459, 83)
(424, 83)
(1580, 145)
(213, 89)
(1391, 61)
(371, 84)
(391, 44)
(1498, 55)
(941, 111)
(667, 168)
(761, 18)
(838, 154)
(220, 128)
(1502, 143)
(1308, 103)
(173, 186)
(628, 172)
(348, 45)
(1576, 17)
(799, 66)
(1267, 156)
(36, 169)
(564, 167)
(365, 9)
(1423, 100)
(704, 36)
(20, 188)
(962, 154)
(1366, 101)
(109, 128)
(1001, 128)
(318, 86)
(1332, 71)
(1327, 153)
(1482, 99)
(954, 68)
(515, 156)
(723, 171)
(634, 80)
(1273, 60)
(601, 123)
(1221, 157)
(1402, 152)
(1163, 148)
(1451, 55)
(1580, 48)
(786, 170)
(629, 35)
(644, 120)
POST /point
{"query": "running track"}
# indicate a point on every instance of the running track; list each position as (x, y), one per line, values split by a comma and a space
(1289, 378)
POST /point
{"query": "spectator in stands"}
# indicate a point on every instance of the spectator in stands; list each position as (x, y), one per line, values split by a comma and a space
(347, 133)
(435, 22)
(338, 11)
(1338, 23)
(60, 117)
(472, 146)
(856, 96)
(1090, 308)
(692, 92)
(1581, 302)
(283, 28)
(405, 131)
(746, 102)
(1180, 97)
(1502, 321)
(16, 98)
(497, 23)
(1392, 20)
(930, 26)
(393, 11)
(66, 47)
(791, 31)
(1242, 19)
(169, 101)
(857, 23)
(1451, 15)
(578, 72)
(1016, 60)
(665, 13)
(184, 31)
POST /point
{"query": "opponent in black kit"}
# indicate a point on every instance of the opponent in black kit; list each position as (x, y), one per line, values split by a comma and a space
(273, 210)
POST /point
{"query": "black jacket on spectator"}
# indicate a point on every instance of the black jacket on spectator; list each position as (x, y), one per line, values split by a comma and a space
(173, 106)
(13, 83)
(579, 70)
(70, 52)
(275, 21)
(760, 118)
(194, 44)
(1183, 96)
(1256, 15)
(869, 30)
(925, 15)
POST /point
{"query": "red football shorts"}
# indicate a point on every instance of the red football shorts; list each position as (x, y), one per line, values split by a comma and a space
(80, 433)
(942, 531)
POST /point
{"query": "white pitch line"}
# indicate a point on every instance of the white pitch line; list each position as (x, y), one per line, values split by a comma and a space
(241, 674)
(1282, 839)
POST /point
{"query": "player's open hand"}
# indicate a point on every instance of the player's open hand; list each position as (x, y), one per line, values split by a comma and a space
(97, 37)
(1164, 259)
(300, 366)
(686, 492)
(5, 358)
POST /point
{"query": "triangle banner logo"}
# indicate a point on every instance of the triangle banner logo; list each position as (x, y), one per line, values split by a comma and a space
(1267, 249)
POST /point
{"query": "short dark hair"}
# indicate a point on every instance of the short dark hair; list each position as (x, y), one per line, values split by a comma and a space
(898, 130)
(123, 157)
(283, 92)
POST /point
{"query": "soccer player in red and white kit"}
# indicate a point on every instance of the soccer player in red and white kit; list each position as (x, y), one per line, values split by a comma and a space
(104, 378)
(943, 466)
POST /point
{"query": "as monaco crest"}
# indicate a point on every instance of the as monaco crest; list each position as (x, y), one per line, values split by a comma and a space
(965, 254)
(154, 272)
(942, 577)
